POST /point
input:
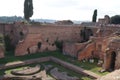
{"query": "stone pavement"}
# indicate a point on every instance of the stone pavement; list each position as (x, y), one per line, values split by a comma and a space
(61, 75)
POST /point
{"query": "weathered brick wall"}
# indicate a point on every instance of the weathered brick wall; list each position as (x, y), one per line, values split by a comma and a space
(117, 63)
(51, 32)
(73, 49)
(87, 51)
(79, 50)
(69, 49)
(47, 32)
(80, 46)
(47, 35)
(30, 41)
(110, 45)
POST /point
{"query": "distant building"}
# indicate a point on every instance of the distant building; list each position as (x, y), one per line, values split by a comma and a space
(64, 22)
(105, 20)
(101, 21)
(88, 23)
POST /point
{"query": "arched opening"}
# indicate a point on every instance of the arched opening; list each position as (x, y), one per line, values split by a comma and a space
(112, 62)
(28, 50)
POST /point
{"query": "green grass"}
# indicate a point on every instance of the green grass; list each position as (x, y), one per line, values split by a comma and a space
(85, 65)
(9, 70)
(22, 58)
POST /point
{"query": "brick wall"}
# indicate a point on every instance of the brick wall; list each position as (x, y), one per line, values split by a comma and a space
(69, 49)
(47, 35)
(87, 51)
(30, 42)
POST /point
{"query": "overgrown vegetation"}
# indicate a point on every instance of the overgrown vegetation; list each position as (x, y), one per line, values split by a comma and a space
(59, 44)
(85, 34)
(115, 19)
(94, 18)
(8, 46)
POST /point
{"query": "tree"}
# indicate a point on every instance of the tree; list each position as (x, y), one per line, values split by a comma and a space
(94, 16)
(59, 45)
(8, 45)
(85, 34)
(115, 19)
(28, 9)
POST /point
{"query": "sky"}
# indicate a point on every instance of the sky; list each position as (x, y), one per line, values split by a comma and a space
(81, 10)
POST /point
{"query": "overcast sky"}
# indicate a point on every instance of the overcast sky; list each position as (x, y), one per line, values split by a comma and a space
(62, 9)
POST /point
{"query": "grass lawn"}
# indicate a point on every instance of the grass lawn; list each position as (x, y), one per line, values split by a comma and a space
(10, 58)
(85, 65)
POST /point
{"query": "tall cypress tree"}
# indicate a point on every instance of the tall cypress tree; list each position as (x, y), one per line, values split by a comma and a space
(28, 9)
(94, 16)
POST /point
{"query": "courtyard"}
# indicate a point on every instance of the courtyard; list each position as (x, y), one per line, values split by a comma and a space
(92, 67)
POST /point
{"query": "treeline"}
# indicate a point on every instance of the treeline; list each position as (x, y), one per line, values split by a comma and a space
(115, 19)
(6, 19)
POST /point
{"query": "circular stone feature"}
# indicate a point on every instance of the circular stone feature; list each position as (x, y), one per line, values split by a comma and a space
(27, 71)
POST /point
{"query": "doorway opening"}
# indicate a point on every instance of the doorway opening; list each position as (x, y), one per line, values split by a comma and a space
(112, 62)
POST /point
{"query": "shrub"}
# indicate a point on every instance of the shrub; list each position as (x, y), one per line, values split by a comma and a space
(8, 45)
(85, 34)
(59, 44)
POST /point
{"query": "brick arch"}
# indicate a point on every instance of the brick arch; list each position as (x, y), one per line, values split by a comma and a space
(110, 60)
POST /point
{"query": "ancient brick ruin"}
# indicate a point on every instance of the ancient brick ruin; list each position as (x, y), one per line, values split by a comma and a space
(104, 44)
